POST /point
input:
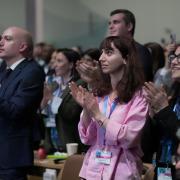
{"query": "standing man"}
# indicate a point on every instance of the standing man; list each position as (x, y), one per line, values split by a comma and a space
(21, 90)
(122, 22)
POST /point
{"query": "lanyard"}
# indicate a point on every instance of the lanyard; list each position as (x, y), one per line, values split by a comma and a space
(166, 143)
(102, 130)
(166, 153)
(177, 108)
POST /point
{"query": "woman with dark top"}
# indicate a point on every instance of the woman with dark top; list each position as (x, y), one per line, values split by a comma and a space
(62, 113)
(165, 113)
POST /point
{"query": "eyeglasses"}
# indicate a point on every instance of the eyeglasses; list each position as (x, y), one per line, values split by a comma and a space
(173, 56)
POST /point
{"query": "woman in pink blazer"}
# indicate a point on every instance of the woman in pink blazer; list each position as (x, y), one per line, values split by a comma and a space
(112, 122)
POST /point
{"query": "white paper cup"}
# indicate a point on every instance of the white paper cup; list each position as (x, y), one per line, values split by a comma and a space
(72, 148)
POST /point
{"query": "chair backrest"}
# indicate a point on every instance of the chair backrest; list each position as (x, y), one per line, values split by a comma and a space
(71, 168)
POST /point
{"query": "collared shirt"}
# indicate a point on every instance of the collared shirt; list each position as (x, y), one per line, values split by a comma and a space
(14, 65)
(122, 139)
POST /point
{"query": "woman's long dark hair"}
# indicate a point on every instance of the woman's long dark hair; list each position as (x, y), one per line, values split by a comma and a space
(133, 77)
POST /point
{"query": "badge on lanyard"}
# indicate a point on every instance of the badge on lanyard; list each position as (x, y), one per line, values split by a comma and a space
(103, 157)
(164, 173)
(50, 122)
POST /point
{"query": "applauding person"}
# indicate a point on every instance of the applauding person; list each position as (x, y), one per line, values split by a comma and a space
(111, 124)
(165, 112)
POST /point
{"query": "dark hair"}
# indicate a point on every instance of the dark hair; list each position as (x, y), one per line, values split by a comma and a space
(133, 78)
(157, 53)
(128, 17)
(47, 51)
(40, 44)
(94, 53)
(72, 56)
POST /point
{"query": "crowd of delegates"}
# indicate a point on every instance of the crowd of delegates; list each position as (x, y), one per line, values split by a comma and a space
(118, 102)
(158, 132)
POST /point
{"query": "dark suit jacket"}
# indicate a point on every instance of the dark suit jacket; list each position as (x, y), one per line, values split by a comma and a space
(164, 124)
(68, 118)
(20, 97)
(67, 121)
(145, 60)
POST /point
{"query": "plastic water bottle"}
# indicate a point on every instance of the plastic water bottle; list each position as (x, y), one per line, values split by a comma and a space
(49, 174)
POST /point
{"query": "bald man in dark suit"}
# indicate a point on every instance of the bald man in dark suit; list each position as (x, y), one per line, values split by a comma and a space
(21, 90)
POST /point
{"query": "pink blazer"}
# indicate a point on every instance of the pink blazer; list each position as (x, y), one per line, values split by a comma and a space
(122, 139)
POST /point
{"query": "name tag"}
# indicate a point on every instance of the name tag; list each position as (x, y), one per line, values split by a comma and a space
(103, 157)
(164, 173)
(56, 102)
(50, 122)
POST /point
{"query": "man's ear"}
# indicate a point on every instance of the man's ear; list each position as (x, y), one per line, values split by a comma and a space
(23, 46)
(130, 27)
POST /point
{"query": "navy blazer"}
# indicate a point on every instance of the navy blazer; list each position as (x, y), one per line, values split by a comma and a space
(145, 60)
(20, 96)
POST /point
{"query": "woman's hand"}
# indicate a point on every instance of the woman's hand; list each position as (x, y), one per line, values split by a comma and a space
(84, 98)
(88, 70)
(78, 93)
(92, 107)
(87, 100)
(170, 47)
(91, 104)
(156, 96)
(47, 95)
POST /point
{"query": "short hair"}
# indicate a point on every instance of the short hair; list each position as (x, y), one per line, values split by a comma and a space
(40, 44)
(128, 17)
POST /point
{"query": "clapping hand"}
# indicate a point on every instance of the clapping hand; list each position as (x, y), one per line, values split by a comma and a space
(47, 95)
(156, 96)
(85, 99)
(88, 70)
(78, 93)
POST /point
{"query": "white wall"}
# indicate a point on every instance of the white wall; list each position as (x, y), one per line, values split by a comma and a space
(84, 22)
(153, 16)
(69, 22)
(12, 13)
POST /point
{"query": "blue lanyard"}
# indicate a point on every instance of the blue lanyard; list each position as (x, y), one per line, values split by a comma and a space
(55, 139)
(166, 143)
(177, 108)
(166, 150)
(102, 129)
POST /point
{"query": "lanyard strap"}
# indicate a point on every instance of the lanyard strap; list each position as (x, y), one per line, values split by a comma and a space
(113, 106)
(166, 143)
(102, 130)
(177, 108)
